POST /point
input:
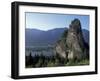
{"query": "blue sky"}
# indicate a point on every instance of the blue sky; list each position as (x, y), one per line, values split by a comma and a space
(47, 21)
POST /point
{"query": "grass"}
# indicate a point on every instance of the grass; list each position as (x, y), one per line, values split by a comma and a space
(42, 61)
(78, 63)
(56, 63)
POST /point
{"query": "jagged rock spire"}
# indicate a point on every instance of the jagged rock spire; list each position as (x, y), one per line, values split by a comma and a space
(75, 46)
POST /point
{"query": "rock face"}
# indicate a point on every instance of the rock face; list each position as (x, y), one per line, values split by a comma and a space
(72, 45)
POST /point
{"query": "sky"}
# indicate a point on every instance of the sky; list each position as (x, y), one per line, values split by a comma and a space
(48, 21)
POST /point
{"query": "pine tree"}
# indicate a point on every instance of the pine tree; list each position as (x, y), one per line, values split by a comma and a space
(30, 59)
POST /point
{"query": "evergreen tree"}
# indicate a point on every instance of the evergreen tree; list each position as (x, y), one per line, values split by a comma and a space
(30, 59)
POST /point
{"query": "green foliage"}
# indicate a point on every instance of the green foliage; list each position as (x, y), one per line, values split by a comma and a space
(77, 63)
(43, 61)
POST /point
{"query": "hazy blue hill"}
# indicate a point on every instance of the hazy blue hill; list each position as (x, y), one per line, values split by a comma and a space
(86, 35)
(35, 36)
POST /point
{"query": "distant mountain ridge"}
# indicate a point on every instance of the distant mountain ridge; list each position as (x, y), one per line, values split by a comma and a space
(35, 36)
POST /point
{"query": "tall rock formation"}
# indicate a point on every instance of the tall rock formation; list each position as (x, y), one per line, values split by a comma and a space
(72, 45)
